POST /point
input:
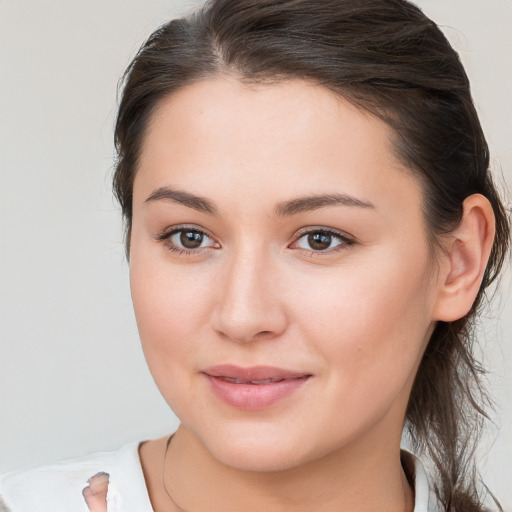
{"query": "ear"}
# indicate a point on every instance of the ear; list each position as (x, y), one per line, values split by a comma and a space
(465, 260)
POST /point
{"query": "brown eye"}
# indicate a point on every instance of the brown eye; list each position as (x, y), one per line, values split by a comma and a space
(322, 241)
(319, 241)
(188, 240)
(191, 239)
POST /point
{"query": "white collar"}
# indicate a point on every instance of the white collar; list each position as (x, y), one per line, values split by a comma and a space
(424, 498)
(37, 489)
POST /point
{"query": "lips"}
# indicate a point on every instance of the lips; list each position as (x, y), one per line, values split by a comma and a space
(253, 388)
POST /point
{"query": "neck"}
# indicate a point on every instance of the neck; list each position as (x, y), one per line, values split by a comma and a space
(347, 479)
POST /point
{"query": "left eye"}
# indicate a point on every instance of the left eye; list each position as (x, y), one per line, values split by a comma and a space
(321, 241)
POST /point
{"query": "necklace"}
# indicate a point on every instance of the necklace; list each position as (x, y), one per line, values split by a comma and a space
(163, 476)
(169, 495)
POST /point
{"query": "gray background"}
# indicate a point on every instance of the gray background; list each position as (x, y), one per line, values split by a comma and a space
(72, 375)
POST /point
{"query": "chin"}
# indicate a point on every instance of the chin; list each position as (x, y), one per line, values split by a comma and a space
(262, 449)
(267, 459)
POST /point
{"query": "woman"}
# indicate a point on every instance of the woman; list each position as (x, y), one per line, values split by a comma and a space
(311, 227)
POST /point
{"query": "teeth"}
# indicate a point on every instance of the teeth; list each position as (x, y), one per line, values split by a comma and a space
(241, 381)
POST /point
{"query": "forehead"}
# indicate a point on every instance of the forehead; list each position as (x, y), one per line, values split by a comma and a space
(226, 112)
(269, 140)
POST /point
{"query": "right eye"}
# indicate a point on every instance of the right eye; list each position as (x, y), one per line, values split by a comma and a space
(187, 240)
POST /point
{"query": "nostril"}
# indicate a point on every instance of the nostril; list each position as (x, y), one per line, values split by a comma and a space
(246, 336)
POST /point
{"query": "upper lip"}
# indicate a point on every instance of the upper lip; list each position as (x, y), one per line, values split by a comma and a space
(253, 373)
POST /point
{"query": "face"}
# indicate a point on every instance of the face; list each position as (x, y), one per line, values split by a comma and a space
(280, 271)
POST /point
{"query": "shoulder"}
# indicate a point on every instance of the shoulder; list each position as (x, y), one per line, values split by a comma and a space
(59, 487)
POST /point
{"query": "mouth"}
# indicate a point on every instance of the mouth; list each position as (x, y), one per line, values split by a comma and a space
(253, 388)
(255, 382)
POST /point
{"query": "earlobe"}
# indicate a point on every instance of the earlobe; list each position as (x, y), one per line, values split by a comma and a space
(465, 260)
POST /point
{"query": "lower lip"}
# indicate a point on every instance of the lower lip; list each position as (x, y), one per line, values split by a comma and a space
(253, 397)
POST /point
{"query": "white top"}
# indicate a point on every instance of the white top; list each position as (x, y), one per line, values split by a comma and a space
(58, 488)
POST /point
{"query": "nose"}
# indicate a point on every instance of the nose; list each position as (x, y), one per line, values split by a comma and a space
(250, 306)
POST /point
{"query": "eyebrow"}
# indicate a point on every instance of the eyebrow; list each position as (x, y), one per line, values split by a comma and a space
(286, 208)
(185, 198)
(308, 203)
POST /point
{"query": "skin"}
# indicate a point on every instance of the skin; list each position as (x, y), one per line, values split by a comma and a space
(356, 316)
(95, 494)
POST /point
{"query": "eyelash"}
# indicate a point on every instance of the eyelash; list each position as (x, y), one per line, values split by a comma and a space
(165, 239)
(346, 241)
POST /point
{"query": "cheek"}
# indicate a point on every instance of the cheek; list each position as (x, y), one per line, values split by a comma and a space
(170, 311)
(369, 323)
(170, 308)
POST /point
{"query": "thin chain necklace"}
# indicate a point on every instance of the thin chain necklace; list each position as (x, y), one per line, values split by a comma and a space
(163, 476)
(167, 444)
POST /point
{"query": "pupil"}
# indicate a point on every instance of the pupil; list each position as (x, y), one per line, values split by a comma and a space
(319, 241)
(191, 239)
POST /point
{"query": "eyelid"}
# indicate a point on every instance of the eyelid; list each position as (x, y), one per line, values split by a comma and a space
(167, 233)
(347, 240)
(164, 237)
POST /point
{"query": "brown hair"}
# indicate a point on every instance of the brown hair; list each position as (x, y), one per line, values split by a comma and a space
(387, 57)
